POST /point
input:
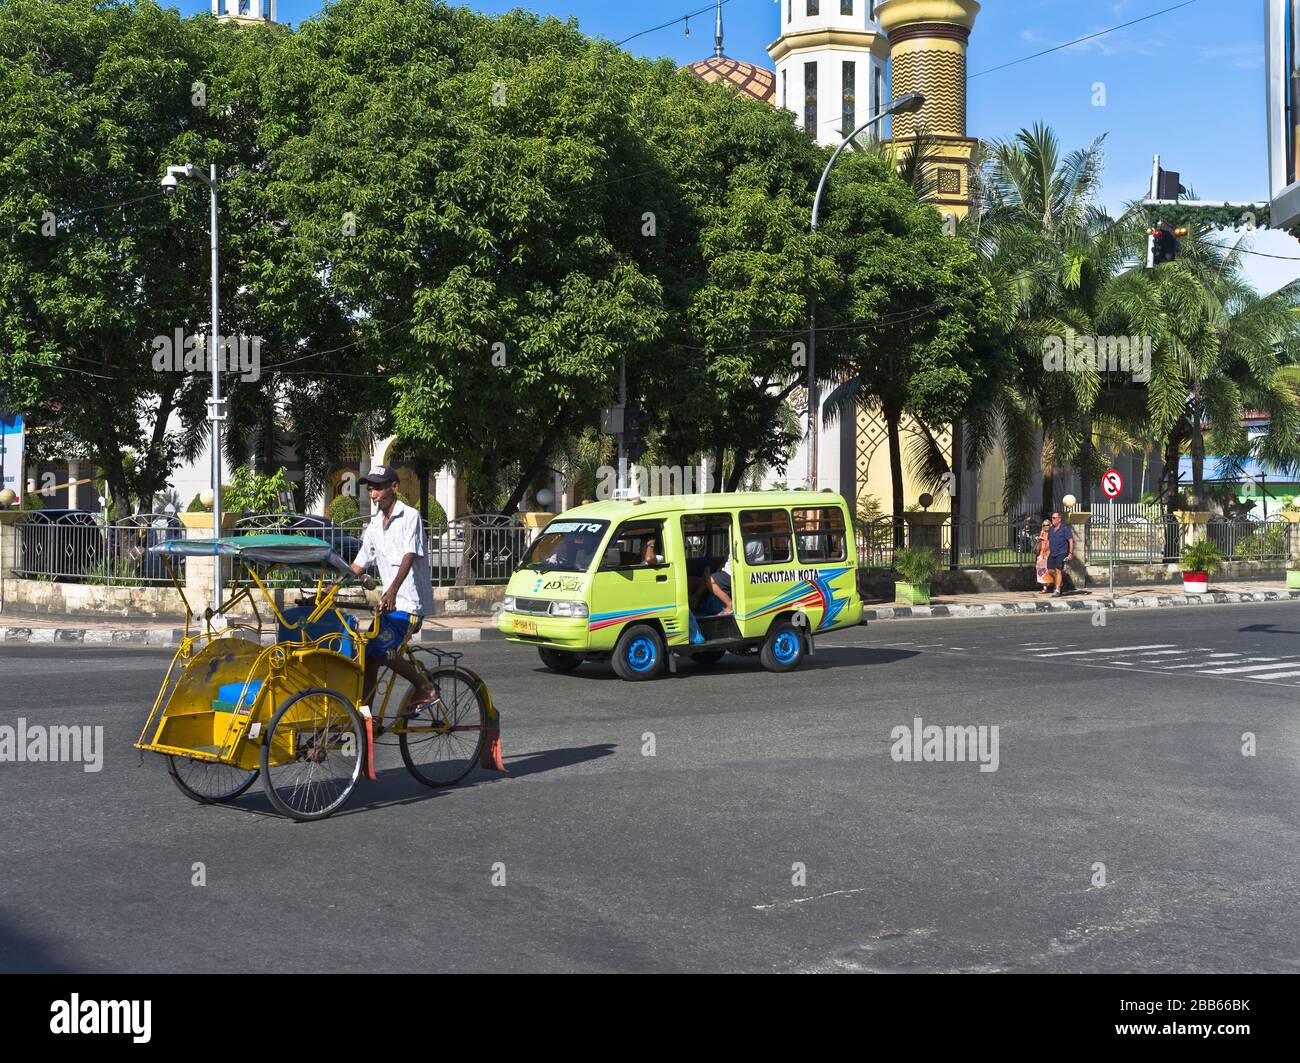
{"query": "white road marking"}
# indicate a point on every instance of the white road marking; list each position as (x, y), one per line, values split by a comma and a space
(1277, 675)
(1248, 668)
(1110, 649)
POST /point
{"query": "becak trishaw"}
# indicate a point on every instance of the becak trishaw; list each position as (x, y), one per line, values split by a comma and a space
(238, 702)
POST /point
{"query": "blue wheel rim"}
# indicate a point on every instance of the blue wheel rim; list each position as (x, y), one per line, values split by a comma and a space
(785, 648)
(642, 653)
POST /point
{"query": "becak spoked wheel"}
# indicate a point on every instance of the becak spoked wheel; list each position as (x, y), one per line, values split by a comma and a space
(313, 754)
(784, 649)
(442, 744)
(559, 660)
(209, 782)
(639, 653)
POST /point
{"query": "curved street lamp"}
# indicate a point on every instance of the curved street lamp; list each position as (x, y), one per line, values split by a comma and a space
(908, 103)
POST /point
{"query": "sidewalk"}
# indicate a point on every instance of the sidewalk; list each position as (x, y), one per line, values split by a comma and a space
(1009, 603)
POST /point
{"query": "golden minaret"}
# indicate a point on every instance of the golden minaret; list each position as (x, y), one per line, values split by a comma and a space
(927, 53)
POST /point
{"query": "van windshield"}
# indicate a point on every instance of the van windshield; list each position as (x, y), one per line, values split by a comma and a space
(566, 546)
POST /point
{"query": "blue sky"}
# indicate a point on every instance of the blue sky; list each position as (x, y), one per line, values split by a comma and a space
(1188, 84)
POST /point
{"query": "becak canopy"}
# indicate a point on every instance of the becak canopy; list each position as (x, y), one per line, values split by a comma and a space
(264, 549)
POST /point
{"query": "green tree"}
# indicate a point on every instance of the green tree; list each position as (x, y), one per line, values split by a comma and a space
(910, 328)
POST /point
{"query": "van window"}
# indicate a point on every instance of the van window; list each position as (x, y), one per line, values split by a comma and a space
(708, 538)
(819, 533)
(766, 535)
(566, 546)
(636, 544)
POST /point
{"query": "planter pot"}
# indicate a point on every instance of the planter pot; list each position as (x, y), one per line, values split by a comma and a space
(911, 593)
(1293, 579)
(1196, 582)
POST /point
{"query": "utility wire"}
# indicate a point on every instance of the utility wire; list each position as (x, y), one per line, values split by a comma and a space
(1080, 40)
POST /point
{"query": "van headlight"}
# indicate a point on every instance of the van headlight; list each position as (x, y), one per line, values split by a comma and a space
(568, 609)
(508, 603)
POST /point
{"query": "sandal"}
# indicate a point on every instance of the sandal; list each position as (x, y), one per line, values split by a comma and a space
(413, 710)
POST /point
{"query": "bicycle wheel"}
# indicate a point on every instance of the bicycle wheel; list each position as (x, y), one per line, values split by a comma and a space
(209, 782)
(442, 745)
(312, 755)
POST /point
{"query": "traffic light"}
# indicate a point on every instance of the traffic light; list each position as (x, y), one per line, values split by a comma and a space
(1165, 243)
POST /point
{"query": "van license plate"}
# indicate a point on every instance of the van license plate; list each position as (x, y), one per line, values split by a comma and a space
(525, 627)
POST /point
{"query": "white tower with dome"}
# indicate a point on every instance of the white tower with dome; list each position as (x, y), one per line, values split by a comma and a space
(244, 11)
(831, 65)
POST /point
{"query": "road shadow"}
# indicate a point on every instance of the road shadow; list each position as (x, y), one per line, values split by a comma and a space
(397, 786)
(1266, 629)
(20, 953)
(731, 664)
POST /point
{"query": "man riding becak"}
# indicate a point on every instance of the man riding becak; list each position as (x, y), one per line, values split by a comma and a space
(394, 542)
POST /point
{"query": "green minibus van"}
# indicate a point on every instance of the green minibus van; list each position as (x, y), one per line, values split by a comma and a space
(643, 581)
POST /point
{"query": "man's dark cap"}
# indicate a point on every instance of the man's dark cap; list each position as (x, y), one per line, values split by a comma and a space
(379, 476)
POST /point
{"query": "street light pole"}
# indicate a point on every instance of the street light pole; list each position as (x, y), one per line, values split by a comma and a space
(215, 412)
(909, 103)
(215, 416)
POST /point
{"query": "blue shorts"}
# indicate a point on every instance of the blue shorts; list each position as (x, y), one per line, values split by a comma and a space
(394, 629)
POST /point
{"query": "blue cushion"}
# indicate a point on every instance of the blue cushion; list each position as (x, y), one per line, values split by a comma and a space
(229, 693)
(326, 625)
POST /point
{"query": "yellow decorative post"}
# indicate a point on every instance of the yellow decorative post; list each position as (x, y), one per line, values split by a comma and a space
(927, 52)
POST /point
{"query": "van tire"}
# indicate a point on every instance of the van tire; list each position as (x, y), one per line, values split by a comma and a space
(558, 660)
(639, 653)
(784, 648)
(709, 659)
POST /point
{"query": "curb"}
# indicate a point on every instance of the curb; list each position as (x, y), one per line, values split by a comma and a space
(170, 638)
(1020, 608)
(163, 638)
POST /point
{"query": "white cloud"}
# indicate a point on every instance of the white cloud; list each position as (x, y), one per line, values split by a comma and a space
(1248, 56)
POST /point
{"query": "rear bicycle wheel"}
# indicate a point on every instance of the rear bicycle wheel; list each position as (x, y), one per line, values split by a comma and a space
(209, 782)
(442, 745)
(312, 755)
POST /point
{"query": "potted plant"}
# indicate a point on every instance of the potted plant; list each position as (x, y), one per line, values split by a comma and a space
(917, 568)
(1200, 559)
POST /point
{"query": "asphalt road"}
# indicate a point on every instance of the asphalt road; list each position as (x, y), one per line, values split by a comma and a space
(1119, 745)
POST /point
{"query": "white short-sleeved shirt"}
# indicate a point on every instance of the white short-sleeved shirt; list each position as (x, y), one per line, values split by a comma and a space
(385, 548)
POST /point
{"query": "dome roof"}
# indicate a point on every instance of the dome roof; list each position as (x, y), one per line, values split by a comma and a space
(752, 80)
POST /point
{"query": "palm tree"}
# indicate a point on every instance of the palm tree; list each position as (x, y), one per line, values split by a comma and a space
(1218, 349)
(1050, 252)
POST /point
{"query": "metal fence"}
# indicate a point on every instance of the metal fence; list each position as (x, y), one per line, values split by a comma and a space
(482, 548)
(1247, 539)
(476, 549)
(1135, 539)
(80, 548)
(996, 541)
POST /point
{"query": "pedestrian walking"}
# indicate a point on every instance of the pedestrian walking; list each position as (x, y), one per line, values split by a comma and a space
(1041, 572)
(1060, 550)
